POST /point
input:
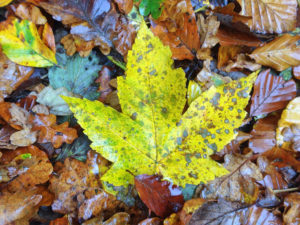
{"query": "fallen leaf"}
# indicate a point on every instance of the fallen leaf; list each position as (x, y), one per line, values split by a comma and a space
(149, 150)
(120, 218)
(189, 208)
(194, 91)
(291, 215)
(79, 74)
(48, 37)
(5, 133)
(267, 15)
(242, 62)
(264, 134)
(21, 43)
(227, 53)
(271, 93)
(74, 43)
(104, 80)
(27, 11)
(161, 197)
(151, 221)
(288, 130)
(296, 72)
(171, 27)
(239, 185)
(154, 8)
(60, 221)
(77, 188)
(93, 20)
(11, 75)
(4, 2)
(23, 138)
(257, 215)
(124, 6)
(280, 54)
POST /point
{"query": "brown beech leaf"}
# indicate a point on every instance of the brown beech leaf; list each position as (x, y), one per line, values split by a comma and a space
(227, 53)
(161, 197)
(28, 166)
(74, 43)
(239, 185)
(22, 205)
(242, 62)
(296, 72)
(261, 216)
(5, 132)
(60, 221)
(271, 93)
(264, 134)
(291, 215)
(280, 54)
(49, 131)
(151, 221)
(27, 11)
(77, 188)
(104, 79)
(177, 28)
(96, 20)
(272, 16)
(48, 37)
(231, 36)
(124, 6)
(11, 76)
(189, 208)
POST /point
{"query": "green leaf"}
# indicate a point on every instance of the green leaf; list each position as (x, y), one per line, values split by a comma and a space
(78, 149)
(76, 74)
(151, 136)
(286, 74)
(153, 7)
(21, 43)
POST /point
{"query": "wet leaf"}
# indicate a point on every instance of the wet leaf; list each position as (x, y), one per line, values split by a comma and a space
(291, 214)
(79, 74)
(93, 20)
(264, 134)
(161, 197)
(271, 93)
(239, 185)
(153, 7)
(125, 6)
(27, 11)
(21, 43)
(136, 142)
(4, 2)
(227, 53)
(242, 62)
(257, 215)
(177, 18)
(120, 218)
(296, 72)
(73, 43)
(267, 15)
(288, 131)
(151, 221)
(280, 54)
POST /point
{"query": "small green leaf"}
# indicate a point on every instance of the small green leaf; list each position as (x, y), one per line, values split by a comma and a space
(153, 7)
(286, 74)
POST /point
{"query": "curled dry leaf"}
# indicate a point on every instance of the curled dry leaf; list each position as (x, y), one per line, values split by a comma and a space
(29, 166)
(77, 188)
(288, 131)
(280, 54)
(264, 134)
(93, 20)
(120, 218)
(161, 197)
(11, 75)
(227, 53)
(242, 62)
(271, 93)
(23, 138)
(239, 185)
(74, 43)
(5, 133)
(27, 11)
(124, 6)
(267, 16)
(291, 214)
(177, 28)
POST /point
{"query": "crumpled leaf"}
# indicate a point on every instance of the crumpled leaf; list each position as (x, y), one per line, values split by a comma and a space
(73, 43)
(153, 7)
(296, 72)
(161, 197)
(124, 6)
(242, 62)
(77, 188)
(227, 53)
(78, 74)
(177, 28)
(239, 185)
(267, 15)
(11, 75)
(271, 93)
(51, 98)
(27, 11)
(21, 43)
(153, 95)
(264, 134)
(291, 214)
(280, 54)
(96, 20)
(290, 119)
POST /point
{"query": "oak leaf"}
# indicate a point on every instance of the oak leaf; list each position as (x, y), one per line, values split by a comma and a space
(22, 44)
(267, 16)
(280, 54)
(151, 136)
(271, 93)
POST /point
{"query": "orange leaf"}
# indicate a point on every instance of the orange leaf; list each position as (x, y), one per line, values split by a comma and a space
(280, 54)
(271, 93)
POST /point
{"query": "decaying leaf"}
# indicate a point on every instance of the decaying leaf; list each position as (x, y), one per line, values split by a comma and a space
(227, 53)
(77, 188)
(22, 44)
(74, 43)
(161, 197)
(27, 11)
(288, 131)
(242, 62)
(267, 16)
(177, 28)
(239, 185)
(271, 93)
(291, 214)
(296, 72)
(93, 20)
(280, 54)
(151, 129)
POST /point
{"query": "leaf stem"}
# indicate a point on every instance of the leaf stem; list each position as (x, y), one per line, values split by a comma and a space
(117, 62)
(285, 190)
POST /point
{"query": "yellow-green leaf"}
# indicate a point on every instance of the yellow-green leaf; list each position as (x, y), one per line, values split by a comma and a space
(4, 2)
(151, 136)
(21, 43)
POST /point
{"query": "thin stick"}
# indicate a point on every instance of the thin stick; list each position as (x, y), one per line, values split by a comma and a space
(285, 190)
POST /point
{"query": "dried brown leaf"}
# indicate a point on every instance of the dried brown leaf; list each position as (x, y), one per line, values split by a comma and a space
(242, 62)
(271, 93)
(27, 11)
(291, 214)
